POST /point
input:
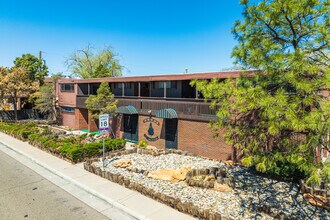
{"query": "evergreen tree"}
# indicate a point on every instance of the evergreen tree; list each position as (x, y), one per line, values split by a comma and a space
(278, 116)
(102, 103)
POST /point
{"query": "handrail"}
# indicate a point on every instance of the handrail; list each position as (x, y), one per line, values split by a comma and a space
(186, 109)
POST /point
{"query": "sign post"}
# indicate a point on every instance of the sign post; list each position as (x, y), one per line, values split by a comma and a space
(104, 129)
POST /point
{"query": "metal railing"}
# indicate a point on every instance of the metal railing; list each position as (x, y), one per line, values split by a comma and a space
(186, 109)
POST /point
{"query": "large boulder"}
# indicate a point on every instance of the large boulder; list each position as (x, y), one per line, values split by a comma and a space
(170, 175)
(222, 187)
(123, 163)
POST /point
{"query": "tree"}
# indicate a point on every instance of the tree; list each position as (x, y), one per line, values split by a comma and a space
(86, 63)
(55, 77)
(14, 83)
(45, 99)
(35, 67)
(3, 70)
(102, 103)
(280, 115)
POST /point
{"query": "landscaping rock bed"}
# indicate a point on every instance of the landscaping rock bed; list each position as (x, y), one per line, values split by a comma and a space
(253, 197)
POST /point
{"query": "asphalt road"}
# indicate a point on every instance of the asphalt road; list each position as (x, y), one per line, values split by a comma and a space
(24, 194)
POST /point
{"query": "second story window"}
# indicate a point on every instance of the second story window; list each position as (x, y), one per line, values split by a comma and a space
(117, 85)
(169, 85)
(67, 87)
(128, 85)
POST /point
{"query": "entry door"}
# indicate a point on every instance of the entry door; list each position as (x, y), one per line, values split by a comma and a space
(171, 133)
(130, 124)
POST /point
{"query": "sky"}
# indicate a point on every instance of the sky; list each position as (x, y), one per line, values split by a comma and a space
(151, 37)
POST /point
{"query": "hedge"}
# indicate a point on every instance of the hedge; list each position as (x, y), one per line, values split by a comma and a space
(71, 147)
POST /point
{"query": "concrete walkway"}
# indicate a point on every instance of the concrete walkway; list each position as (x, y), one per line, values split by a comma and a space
(111, 199)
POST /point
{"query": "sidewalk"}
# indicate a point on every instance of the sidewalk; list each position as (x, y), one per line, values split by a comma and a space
(111, 199)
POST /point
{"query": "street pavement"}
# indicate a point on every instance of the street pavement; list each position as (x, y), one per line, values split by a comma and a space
(27, 195)
(108, 198)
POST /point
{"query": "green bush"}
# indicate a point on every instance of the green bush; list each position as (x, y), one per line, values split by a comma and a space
(75, 152)
(92, 149)
(71, 147)
(19, 130)
(289, 167)
(325, 173)
(314, 179)
(143, 144)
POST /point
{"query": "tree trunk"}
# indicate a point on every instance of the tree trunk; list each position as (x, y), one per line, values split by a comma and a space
(15, 107)
(54, 113)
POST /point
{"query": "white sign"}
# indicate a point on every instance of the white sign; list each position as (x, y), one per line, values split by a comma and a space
(104, 123)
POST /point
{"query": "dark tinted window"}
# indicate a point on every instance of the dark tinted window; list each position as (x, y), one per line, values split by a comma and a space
(67, 109)
(67, 87)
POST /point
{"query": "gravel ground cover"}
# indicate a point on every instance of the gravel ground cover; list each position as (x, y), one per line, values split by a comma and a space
(251, 195)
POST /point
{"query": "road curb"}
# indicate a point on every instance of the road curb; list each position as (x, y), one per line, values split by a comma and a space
(120, 207)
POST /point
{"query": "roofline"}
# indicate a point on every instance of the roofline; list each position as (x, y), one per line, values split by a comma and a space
(167, 77)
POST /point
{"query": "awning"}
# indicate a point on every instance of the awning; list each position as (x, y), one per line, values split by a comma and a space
(167, 113)
(128, 109)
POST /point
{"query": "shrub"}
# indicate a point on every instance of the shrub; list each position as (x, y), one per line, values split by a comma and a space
(75, 152)
(143, 144)
(92, 149)
(314, 179)
(290, 167)
(71, 147)
(21, 131)
(325, 173)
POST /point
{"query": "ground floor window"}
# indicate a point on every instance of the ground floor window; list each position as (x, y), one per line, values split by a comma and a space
(67, 109)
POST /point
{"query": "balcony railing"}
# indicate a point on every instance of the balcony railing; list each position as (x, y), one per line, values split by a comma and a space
(186, 109)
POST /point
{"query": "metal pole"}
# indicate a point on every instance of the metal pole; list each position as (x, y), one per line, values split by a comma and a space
(103, 159)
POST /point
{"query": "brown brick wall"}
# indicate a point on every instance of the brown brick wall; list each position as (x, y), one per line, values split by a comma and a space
(159, 131)
(81, 119)
(193, 136)
(68, 119)
(197, 137)
(116, 126)
(93, 124)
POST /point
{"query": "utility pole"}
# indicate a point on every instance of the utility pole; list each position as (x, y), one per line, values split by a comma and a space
(40, 57)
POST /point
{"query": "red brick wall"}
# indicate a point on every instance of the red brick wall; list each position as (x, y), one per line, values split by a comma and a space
(67, 98)
(116, 126)
(159, 131)
(197, 137)
(81, 119)
(68, 119)
(193, 136)
(93, 124)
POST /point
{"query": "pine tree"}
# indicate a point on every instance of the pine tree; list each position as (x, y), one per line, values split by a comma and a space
(101, 103)
(278, 116)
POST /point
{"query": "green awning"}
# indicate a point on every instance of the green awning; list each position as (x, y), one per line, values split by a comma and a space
(167, 113)
(128, 109)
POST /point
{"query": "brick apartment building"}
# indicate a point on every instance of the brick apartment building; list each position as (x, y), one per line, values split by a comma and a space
(164, 110)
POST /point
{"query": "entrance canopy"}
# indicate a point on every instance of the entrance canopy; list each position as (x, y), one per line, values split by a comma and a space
(168, 113)
(128, 109)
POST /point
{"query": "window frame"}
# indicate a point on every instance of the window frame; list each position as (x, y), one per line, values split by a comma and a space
(67, 87)
(67, 109)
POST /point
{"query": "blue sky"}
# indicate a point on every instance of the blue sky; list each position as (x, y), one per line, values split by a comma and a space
(151, 37)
